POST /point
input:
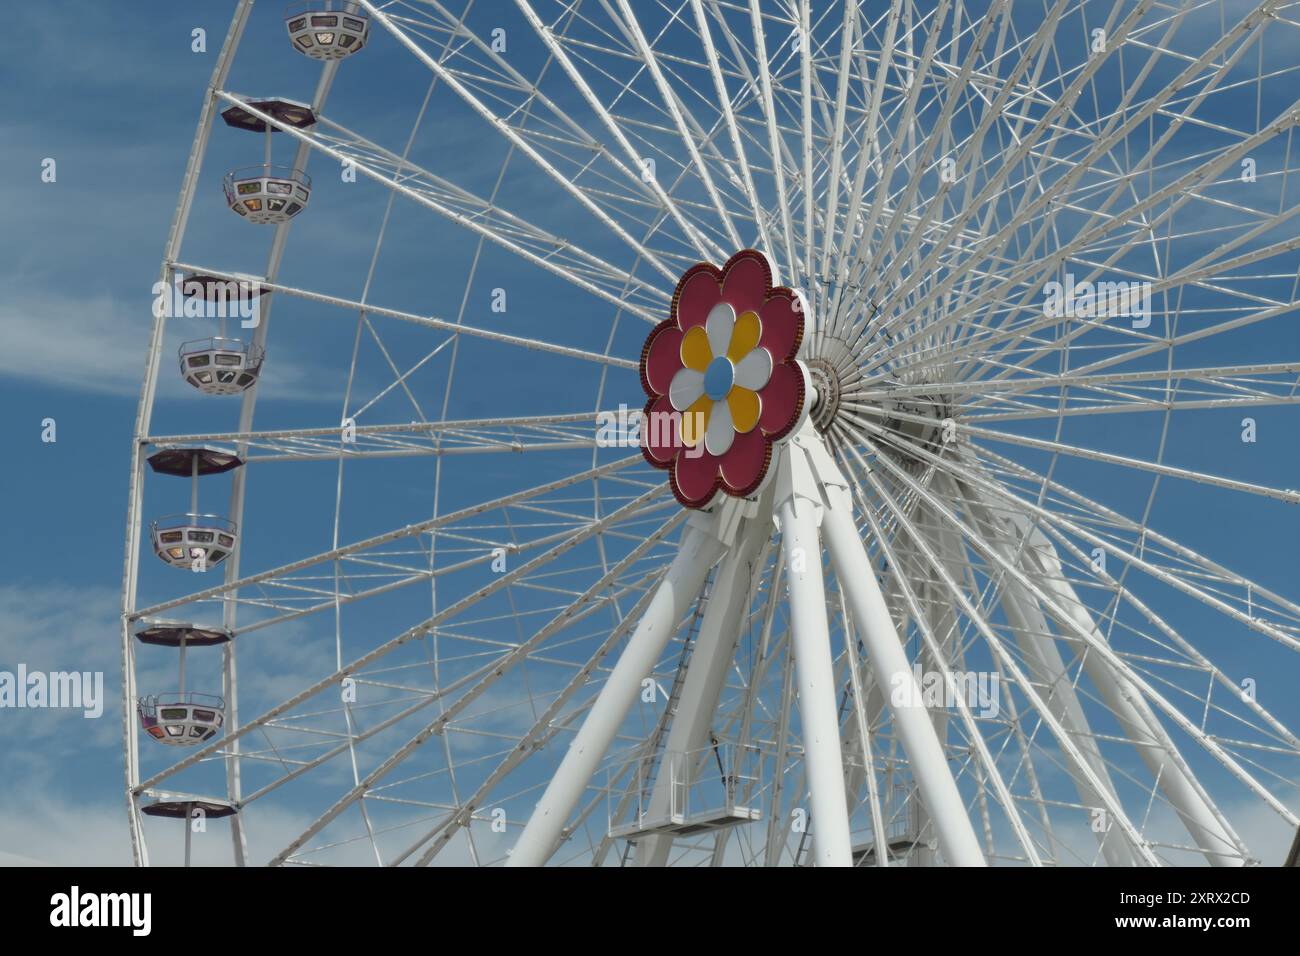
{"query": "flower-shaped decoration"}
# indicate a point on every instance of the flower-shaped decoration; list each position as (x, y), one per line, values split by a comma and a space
(722, 378)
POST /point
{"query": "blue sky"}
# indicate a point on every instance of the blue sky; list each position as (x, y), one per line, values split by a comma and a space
(111, 93)
(112, 96)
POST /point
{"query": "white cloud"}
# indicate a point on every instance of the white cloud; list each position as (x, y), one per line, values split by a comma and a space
(98, 343)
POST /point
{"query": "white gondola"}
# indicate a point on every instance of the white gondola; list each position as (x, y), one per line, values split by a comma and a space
(181, 719)
(326, 30)
(193, 540)
(221, 366)
(268, 193)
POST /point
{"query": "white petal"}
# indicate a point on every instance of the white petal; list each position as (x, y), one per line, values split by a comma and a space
(754, 370)
(718, 326)
(686, 388)
(721, 432)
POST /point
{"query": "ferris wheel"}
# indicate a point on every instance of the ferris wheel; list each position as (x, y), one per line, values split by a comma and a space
(840, 485)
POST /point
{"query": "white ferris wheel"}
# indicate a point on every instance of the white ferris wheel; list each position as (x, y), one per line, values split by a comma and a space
(959, 332)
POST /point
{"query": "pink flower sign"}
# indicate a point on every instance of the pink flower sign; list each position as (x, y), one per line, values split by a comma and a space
(722, 378)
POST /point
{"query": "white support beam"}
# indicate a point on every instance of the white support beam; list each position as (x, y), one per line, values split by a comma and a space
(889, 662)
(1043, 659)
(811, 643)
(699, 550)
(706, 673)
(1127, 703)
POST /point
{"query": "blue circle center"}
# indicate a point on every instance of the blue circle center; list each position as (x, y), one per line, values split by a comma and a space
(718, 378)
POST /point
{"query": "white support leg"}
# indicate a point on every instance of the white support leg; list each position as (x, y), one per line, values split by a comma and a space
(810, 636)
(889, 662)
(1043, 660)
(1157, 749)
(924, 853)
(698, 551)
(706, 673)
(1040, 561)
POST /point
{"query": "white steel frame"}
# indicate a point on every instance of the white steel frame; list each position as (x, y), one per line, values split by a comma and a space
(921, 171)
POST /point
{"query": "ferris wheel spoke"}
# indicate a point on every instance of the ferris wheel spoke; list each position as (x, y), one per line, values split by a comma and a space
(1015, 399)
(346, 587)
(705, 246)
(1063, 604)
(680, 117)
(543, 729)
(868, 157)
(1019, 332)
(448, 438)
(1180, 187)
(1207, 824)
(915, 82)
(998, 181)
(1066, 743)
(407, 531)
(774, 144)
(520, 142)
(1289, 496)
(444, 325)
(448, 613)
(804, 13)
(784, 164)
(1185, 338)
(711, 57)
(1036, 53)
(956, 81)
(1114, 130)
(558, 256)
(1099, 219)
(981, 389)
(1246, 604)
(1134, 557)
(458, 706)
(936, 655)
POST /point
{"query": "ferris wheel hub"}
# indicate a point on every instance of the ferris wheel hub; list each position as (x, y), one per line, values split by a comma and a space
(826, 382)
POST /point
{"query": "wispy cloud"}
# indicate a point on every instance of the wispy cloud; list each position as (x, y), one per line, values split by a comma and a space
(97, 343)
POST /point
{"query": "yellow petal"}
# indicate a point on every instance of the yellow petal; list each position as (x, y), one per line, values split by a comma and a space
(744, 336)
(696, 353)
(695, 421)
(745, 408)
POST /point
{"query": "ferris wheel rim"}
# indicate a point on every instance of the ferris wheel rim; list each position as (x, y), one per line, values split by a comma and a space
(867, 434)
